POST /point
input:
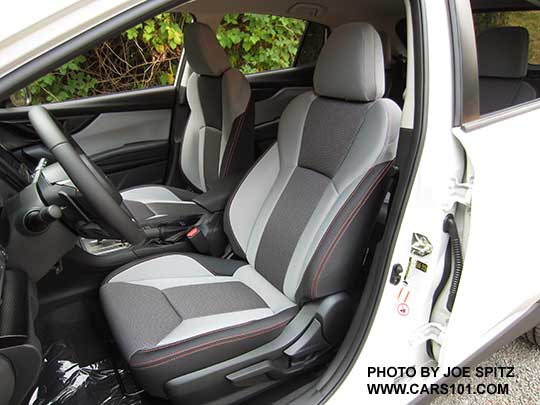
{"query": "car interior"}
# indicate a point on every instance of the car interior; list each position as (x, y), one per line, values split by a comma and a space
(211, 240)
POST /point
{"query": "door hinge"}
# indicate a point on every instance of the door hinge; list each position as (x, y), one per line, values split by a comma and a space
(460, 193)
(429, 331)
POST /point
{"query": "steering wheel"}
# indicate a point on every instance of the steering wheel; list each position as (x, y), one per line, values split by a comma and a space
(97, 189)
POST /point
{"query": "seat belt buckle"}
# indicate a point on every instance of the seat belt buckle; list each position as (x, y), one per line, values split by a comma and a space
(193, 232)
(198, 240)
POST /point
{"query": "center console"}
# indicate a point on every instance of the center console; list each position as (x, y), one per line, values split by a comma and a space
(201, 234)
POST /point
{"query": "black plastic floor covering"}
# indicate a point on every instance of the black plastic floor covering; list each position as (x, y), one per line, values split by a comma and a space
(63, 381)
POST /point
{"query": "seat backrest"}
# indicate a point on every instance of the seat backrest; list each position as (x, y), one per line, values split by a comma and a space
(303, 215)
(503, 61)
(218, 140)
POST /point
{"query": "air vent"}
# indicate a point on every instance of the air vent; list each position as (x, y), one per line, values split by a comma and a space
(307, 10)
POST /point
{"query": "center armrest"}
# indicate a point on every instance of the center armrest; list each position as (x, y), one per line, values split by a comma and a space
(218, 194)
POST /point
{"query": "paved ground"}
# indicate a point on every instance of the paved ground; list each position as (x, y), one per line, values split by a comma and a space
(524, 389)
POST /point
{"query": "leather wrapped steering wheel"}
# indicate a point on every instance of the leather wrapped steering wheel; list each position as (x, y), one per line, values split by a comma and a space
(97, 189)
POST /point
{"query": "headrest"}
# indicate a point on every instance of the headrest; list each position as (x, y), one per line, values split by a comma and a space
(351, 64)
(203, 51)
(503, 52)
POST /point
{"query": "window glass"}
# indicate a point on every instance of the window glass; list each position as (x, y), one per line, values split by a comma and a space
(526, 19)
(144, 56)
(258, 43)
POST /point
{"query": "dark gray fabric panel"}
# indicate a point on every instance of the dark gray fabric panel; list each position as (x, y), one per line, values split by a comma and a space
(330, 130)
(152, 368)
(287, 222)
(211, 152)
(240, 151)
(335, 265)
(498, 94)
(211, 99)
(139, 316)
(193, 301)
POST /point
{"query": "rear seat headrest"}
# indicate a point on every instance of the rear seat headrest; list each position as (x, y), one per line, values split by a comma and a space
(351, 64)
(203, 51)
(503, 52)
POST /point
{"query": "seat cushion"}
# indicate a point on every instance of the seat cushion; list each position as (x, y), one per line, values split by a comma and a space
(157, 205)
(174, 314)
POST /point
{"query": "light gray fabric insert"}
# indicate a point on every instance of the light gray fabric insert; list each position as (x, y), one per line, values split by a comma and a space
(287, 222)
(351, 64)
(330, 130)
(200, 300)
(139, 316)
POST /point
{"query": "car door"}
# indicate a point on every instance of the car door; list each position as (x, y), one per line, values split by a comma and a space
(108, 100)
(500, 284)
(126, 134)
(500, 280)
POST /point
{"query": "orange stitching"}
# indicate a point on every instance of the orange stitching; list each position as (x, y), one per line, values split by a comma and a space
(207, 345)
(155, 349)
(233, 146)
(344, 226)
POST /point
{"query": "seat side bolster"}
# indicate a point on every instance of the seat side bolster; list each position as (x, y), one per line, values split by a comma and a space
(154, 367)
(343, 245)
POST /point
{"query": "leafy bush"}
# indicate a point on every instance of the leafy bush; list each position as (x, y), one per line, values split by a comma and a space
(143, 56)
(147, 55)
(258, 43)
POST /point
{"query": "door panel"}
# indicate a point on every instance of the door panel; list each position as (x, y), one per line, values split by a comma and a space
(112, 131)
(126, 134)
(272, 92)
(500, 278)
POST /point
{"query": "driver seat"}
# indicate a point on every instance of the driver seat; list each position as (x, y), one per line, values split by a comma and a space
(195, 328)
(218, 140)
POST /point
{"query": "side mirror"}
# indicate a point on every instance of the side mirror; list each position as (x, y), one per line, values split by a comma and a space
(21, 98)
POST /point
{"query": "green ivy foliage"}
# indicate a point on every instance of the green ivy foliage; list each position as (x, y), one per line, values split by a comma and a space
(258, 43)
(147, 55)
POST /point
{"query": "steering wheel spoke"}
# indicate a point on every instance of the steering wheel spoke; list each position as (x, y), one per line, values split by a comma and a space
(96, 188)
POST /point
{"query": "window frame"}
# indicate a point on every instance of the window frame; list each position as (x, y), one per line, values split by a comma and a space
(303, 39)
(81, 43)
(466, 82)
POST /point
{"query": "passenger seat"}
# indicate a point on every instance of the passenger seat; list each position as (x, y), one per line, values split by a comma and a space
(503, 61)
(218, 141)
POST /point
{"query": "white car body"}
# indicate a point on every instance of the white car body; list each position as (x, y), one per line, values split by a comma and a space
(500, 281)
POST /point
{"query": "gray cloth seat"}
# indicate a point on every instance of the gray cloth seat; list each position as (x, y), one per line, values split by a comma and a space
(218, 139)
(503, 61)
(299, 224)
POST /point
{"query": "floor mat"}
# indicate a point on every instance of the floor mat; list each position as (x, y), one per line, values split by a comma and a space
(64, 380)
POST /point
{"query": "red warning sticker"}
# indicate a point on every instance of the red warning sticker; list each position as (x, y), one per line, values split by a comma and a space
(403, 309)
